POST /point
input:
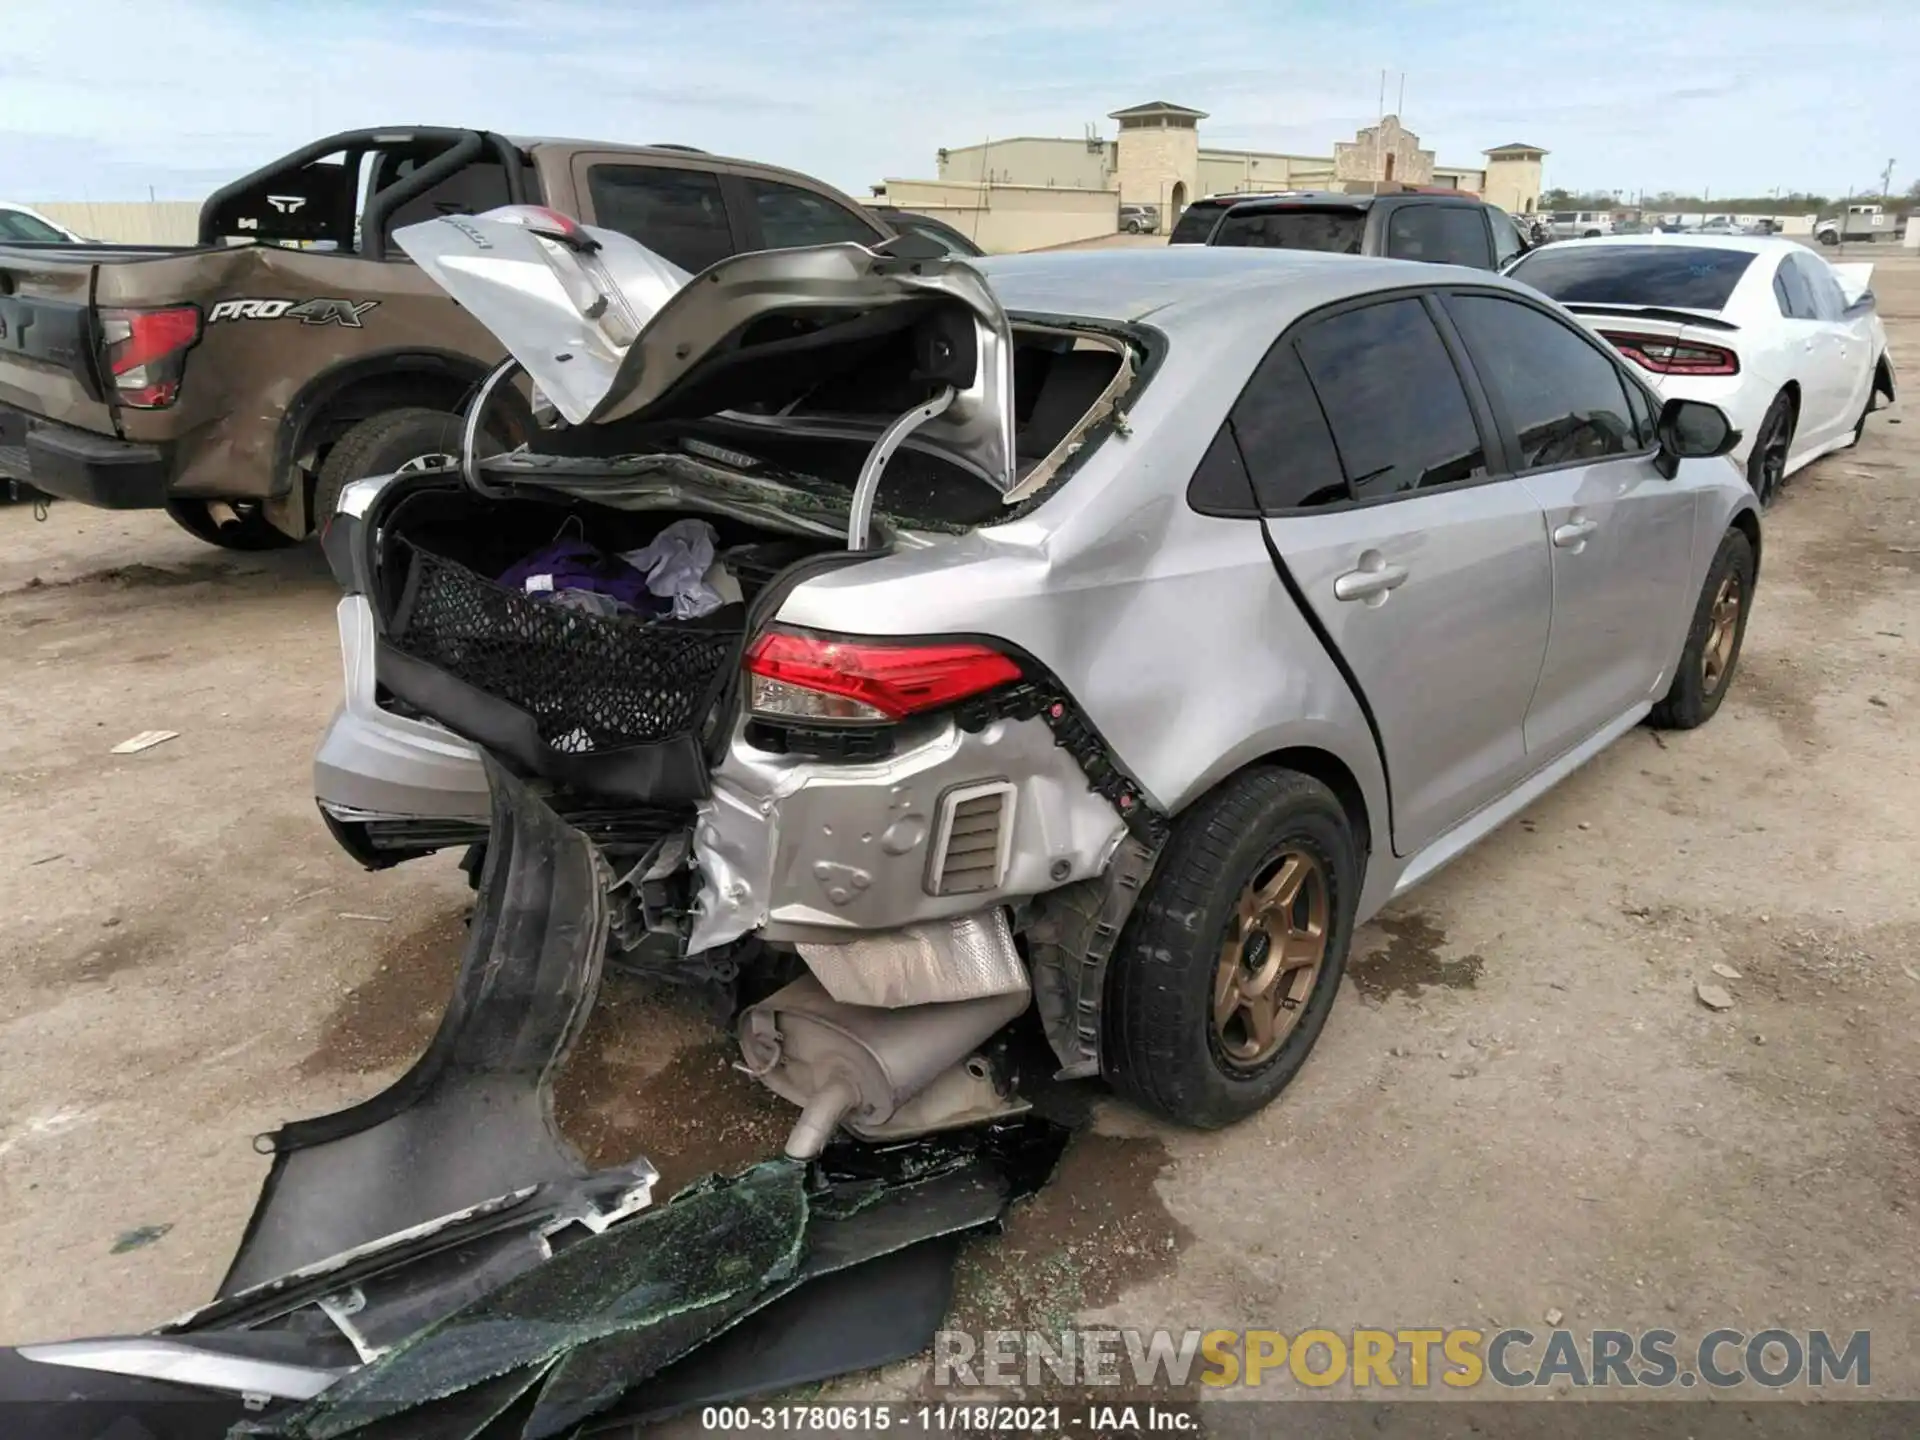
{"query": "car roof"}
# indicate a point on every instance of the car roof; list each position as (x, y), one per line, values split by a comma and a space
(1754, 244)
(1184, 287)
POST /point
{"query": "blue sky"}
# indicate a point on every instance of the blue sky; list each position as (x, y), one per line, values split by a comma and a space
(100, 99)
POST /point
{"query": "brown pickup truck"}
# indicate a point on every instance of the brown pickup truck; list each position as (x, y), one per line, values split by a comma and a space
(241, 382)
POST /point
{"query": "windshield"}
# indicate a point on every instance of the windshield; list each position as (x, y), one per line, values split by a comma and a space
(1687, 277)
(16, 226)
(1337, 231)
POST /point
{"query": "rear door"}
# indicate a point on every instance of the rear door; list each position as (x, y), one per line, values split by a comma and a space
(1811, 354)
(1428, 577)
(1620, 534)
(1844, 367)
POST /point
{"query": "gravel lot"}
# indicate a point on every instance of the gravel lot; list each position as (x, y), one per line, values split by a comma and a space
(1518, 1107)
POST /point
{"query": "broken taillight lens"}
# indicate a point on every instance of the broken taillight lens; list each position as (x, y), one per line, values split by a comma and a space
(1664, 355)
(144, 353)
(794, 675)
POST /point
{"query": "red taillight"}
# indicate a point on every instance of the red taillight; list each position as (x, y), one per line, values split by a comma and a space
(798, 676)
(1664, 355)
(145, 352)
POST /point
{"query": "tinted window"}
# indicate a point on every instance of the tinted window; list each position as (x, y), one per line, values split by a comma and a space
(1565, 398)
(1283, 436)
(1336, 231)
(790, 216)
(1829, 302)
(1439, 235)
(1196, 223)
(1791, 292)
(1400, 419)
(1691, 277)
(675, 213)
(1506, 238)
(942, 234)
(15, 226)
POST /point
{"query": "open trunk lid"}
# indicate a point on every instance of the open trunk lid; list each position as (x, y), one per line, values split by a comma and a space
(609, 331)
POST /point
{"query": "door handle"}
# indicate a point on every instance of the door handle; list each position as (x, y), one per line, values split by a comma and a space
(1573, 534)
(1371, 581)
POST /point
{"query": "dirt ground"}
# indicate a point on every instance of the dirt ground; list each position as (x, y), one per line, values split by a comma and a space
(1519, 1107)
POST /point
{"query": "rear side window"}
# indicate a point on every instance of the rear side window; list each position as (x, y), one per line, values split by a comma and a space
(1563, 396)
(1195, 224)
(1689, 277)
(1506, 238)
(1791, 292)
(676, 213)
(1283, 436)
(1399, 416)
(1829, 302)
(792, 217)
(1439, 235)
(1338, 232)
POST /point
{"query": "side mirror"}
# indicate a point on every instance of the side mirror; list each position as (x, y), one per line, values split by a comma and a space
(1692, 430)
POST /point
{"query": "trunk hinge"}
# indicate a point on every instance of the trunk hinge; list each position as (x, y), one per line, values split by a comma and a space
(860, 514)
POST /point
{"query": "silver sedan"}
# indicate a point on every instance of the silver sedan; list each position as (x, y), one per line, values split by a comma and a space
(1109, 637)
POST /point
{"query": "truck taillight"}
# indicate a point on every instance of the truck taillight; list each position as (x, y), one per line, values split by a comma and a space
(144, 352)
(1664, 355)
(795, 675)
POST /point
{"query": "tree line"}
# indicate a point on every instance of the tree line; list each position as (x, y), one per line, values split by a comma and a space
(1673, 202)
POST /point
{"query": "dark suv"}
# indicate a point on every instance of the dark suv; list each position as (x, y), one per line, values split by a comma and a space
(1440, 227)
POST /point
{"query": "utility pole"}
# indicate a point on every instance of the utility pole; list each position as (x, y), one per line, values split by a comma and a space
(1886, 181)
(1400, 106)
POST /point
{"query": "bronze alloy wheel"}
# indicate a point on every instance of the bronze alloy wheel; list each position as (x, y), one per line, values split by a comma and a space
(1723, 624)
(1274, 947)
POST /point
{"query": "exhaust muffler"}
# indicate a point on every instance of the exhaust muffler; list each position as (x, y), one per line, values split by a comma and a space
(883, 1073)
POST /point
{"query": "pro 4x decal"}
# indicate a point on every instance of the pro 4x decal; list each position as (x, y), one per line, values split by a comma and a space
(307, 312)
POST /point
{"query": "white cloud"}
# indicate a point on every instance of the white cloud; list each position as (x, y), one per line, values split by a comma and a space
(102, 100)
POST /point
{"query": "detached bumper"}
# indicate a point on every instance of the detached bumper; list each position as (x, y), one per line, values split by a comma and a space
(100, 470)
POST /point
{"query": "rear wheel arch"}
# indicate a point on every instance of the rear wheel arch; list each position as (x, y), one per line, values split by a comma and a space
(1321, 764)
(336, 400)
(1748, 524)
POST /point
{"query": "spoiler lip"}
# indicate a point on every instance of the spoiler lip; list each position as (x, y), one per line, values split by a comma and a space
(1700, 318)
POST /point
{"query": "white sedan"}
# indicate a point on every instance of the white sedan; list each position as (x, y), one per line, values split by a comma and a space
(1789, 346)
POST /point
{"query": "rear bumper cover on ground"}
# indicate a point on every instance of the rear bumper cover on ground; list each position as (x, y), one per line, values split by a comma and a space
(100, 470)
(439, 1259)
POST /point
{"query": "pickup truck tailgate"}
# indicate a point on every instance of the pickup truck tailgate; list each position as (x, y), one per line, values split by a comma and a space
(46, 337)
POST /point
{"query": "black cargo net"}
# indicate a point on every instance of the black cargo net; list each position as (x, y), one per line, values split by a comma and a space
(590, 682)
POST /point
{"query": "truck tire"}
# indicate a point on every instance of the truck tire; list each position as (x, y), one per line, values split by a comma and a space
(230, 524)
(1229, 965)
(1827, 237)
(409, 438)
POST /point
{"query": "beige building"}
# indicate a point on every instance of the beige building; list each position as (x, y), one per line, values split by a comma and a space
(1029, 192)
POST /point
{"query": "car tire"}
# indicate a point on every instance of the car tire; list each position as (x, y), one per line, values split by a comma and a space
(1165, 1045)
(1828, 237)
(1767, 461)
(230, 524)
(1712, 653)
(410, 438)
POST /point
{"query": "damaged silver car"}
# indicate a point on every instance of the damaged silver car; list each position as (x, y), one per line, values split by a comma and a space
(923, 642)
